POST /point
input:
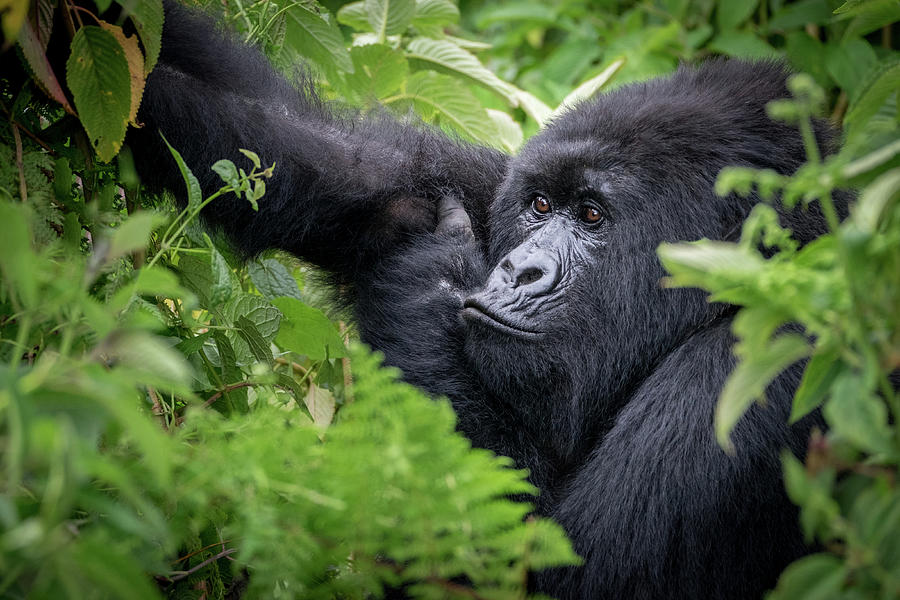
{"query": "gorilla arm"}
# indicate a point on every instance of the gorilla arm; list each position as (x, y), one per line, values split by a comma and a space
(345, 190)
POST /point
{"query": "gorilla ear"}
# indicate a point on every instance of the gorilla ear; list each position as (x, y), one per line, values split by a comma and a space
(453, 220)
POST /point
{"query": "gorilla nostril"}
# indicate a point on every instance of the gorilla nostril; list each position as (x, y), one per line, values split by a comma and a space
(529, 275)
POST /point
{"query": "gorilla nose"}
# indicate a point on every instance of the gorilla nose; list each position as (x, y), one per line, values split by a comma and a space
(534, 271)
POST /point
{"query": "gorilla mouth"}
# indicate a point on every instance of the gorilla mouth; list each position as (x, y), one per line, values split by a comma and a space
(476, 311)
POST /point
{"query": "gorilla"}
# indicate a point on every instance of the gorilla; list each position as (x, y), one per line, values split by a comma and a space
(526, 289)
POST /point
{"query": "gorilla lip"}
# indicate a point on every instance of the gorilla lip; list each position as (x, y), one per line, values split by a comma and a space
(473, 310)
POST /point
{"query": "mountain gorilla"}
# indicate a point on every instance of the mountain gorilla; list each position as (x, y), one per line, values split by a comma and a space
(526, 289)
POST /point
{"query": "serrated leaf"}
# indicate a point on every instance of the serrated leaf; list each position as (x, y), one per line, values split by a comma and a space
(228, 172)
(258, 346)
(135, 66)
(314, 37)
(435, 13)
(590, 87)
(750, 378)
(354, 15)
(33, 50)
(221, 284)
(307, 331)
(147, 16)
(731, 13)
(264, 316)
(97, 74)
(435, 94)
(272, 279)
(192, 186)
(447, 57)
(389, 17)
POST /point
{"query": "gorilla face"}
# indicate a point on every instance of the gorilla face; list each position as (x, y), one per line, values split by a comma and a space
(573, 241)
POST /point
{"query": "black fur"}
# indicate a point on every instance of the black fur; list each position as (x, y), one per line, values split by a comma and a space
(611, 406)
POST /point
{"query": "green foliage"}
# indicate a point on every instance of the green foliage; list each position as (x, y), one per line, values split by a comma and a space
(172, 421)
(843, 290)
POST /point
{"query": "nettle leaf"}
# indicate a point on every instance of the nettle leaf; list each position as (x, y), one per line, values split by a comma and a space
(259, 347)
(435, 13)
(311, 35)
(389, 17)
(306, 330)
(272, 279)
(354, 15)
(731, 13)
(33, 49)
(147, 16)
(98, 76)
(264, 316)
(439, 96)
(447, 57)
(379, 70)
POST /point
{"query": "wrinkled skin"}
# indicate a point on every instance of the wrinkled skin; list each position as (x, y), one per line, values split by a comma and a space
(527, 290)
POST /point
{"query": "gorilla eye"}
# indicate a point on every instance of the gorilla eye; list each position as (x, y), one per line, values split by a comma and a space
(589, 214)
(540, 205)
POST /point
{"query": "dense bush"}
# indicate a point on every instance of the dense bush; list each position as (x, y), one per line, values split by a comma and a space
(172, 421)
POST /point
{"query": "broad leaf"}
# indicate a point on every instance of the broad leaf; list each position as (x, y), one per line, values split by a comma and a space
(389, 17)
(321, 40)
(98, 75)
(307, 331)
(435, 13)
(447, 57)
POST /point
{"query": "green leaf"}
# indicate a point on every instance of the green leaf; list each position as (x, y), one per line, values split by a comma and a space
(314, 37)
(820, 373)
(856, 415)
(258, 346)
(434, 94)
(229, 173)
(389, 17)
(98, 76)
(741, 44)
(447, 57)
(870, 17)
(435, 13)
(17, 261)
(731, 13)
(750, 378)
(222, 278)
(590, 87)
(800, 14)
(533, 106)
(848, 64)
(147, 16)
(272, 279)
(264, 316)
(878, 87)
(526, 12)
(509, 131)
(869, 212)
(35, 55)
(132, 234)
(307, 331)
(354, 15)
(379, 71)
(816, 577)
(192, 186)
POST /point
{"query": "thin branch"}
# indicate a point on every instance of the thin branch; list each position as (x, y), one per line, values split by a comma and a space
(226, 389)
(20, 163)
(182, 574)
